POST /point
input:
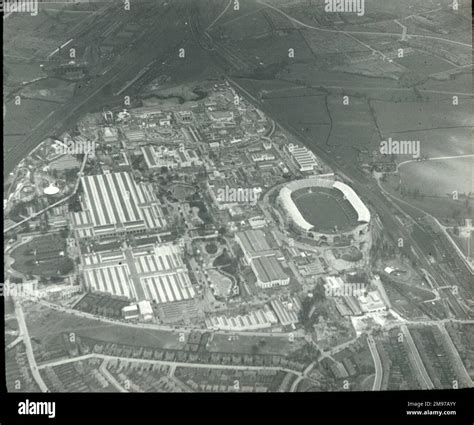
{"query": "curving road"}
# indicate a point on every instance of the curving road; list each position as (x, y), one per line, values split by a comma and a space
(377, 362)
(391, 34)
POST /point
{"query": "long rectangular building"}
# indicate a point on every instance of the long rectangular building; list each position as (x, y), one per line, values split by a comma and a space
(113, 279)
(170, 158)
(254, 244)
(157, 275)
(287, 312)
(268, 272)
(114, 203)
(257, 319)
(304, 158)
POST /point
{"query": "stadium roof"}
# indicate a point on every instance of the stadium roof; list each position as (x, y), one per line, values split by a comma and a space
(363, 213)
(292, 209)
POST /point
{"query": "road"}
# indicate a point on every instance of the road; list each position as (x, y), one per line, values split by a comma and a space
(103, 370)
(168, 32)
(29, 349)
(437, 158)
(382, 202)
(369, 190)
(151, 326)
(168, 363)
(220, 15)
(456, 359)
(416, 361)
(462, 310)
(387, 34)
(61, 201)
(404, 30)
(440, 226)
(377, 362)
(296, 382)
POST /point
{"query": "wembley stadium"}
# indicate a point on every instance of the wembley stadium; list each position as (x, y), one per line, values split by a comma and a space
(324, 207)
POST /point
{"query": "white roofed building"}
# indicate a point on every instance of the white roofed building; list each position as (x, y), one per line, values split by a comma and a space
(268, 272)
(146, 310)
(156, 274)
(114, 203)
(303, 157)
(257, 319)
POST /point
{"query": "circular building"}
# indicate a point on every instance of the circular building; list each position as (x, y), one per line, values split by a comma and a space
(324, 208)
(51, 190)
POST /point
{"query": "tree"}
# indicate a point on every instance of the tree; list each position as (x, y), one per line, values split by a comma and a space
(64, 232)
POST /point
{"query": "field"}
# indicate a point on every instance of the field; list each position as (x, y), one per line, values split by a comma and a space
(28, 42)
(325, 210)
(43, 256)
(439, 178)
(102, 305)
(19, 120)
(47, 326)
(441, 128)
(424, 63)
(353, 125)
(246, 344)
(181, 191)
(433, 192)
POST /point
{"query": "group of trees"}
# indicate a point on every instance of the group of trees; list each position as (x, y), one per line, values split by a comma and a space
(312, 307)
(257, 347)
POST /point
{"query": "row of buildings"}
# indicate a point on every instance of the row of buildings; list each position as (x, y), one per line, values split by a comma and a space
(155, 273)
(352, 299)
(113, 203)
(172, 158)
(257, 319)
(305, 160)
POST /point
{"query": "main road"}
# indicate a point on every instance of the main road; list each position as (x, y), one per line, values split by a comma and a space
(29, 349)
(377, 362)
(416, 361)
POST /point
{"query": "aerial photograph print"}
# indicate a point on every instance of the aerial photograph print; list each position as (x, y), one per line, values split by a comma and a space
(227, 198)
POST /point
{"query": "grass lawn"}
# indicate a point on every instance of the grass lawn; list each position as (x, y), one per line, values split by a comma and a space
(43, 256)
(325, 211)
